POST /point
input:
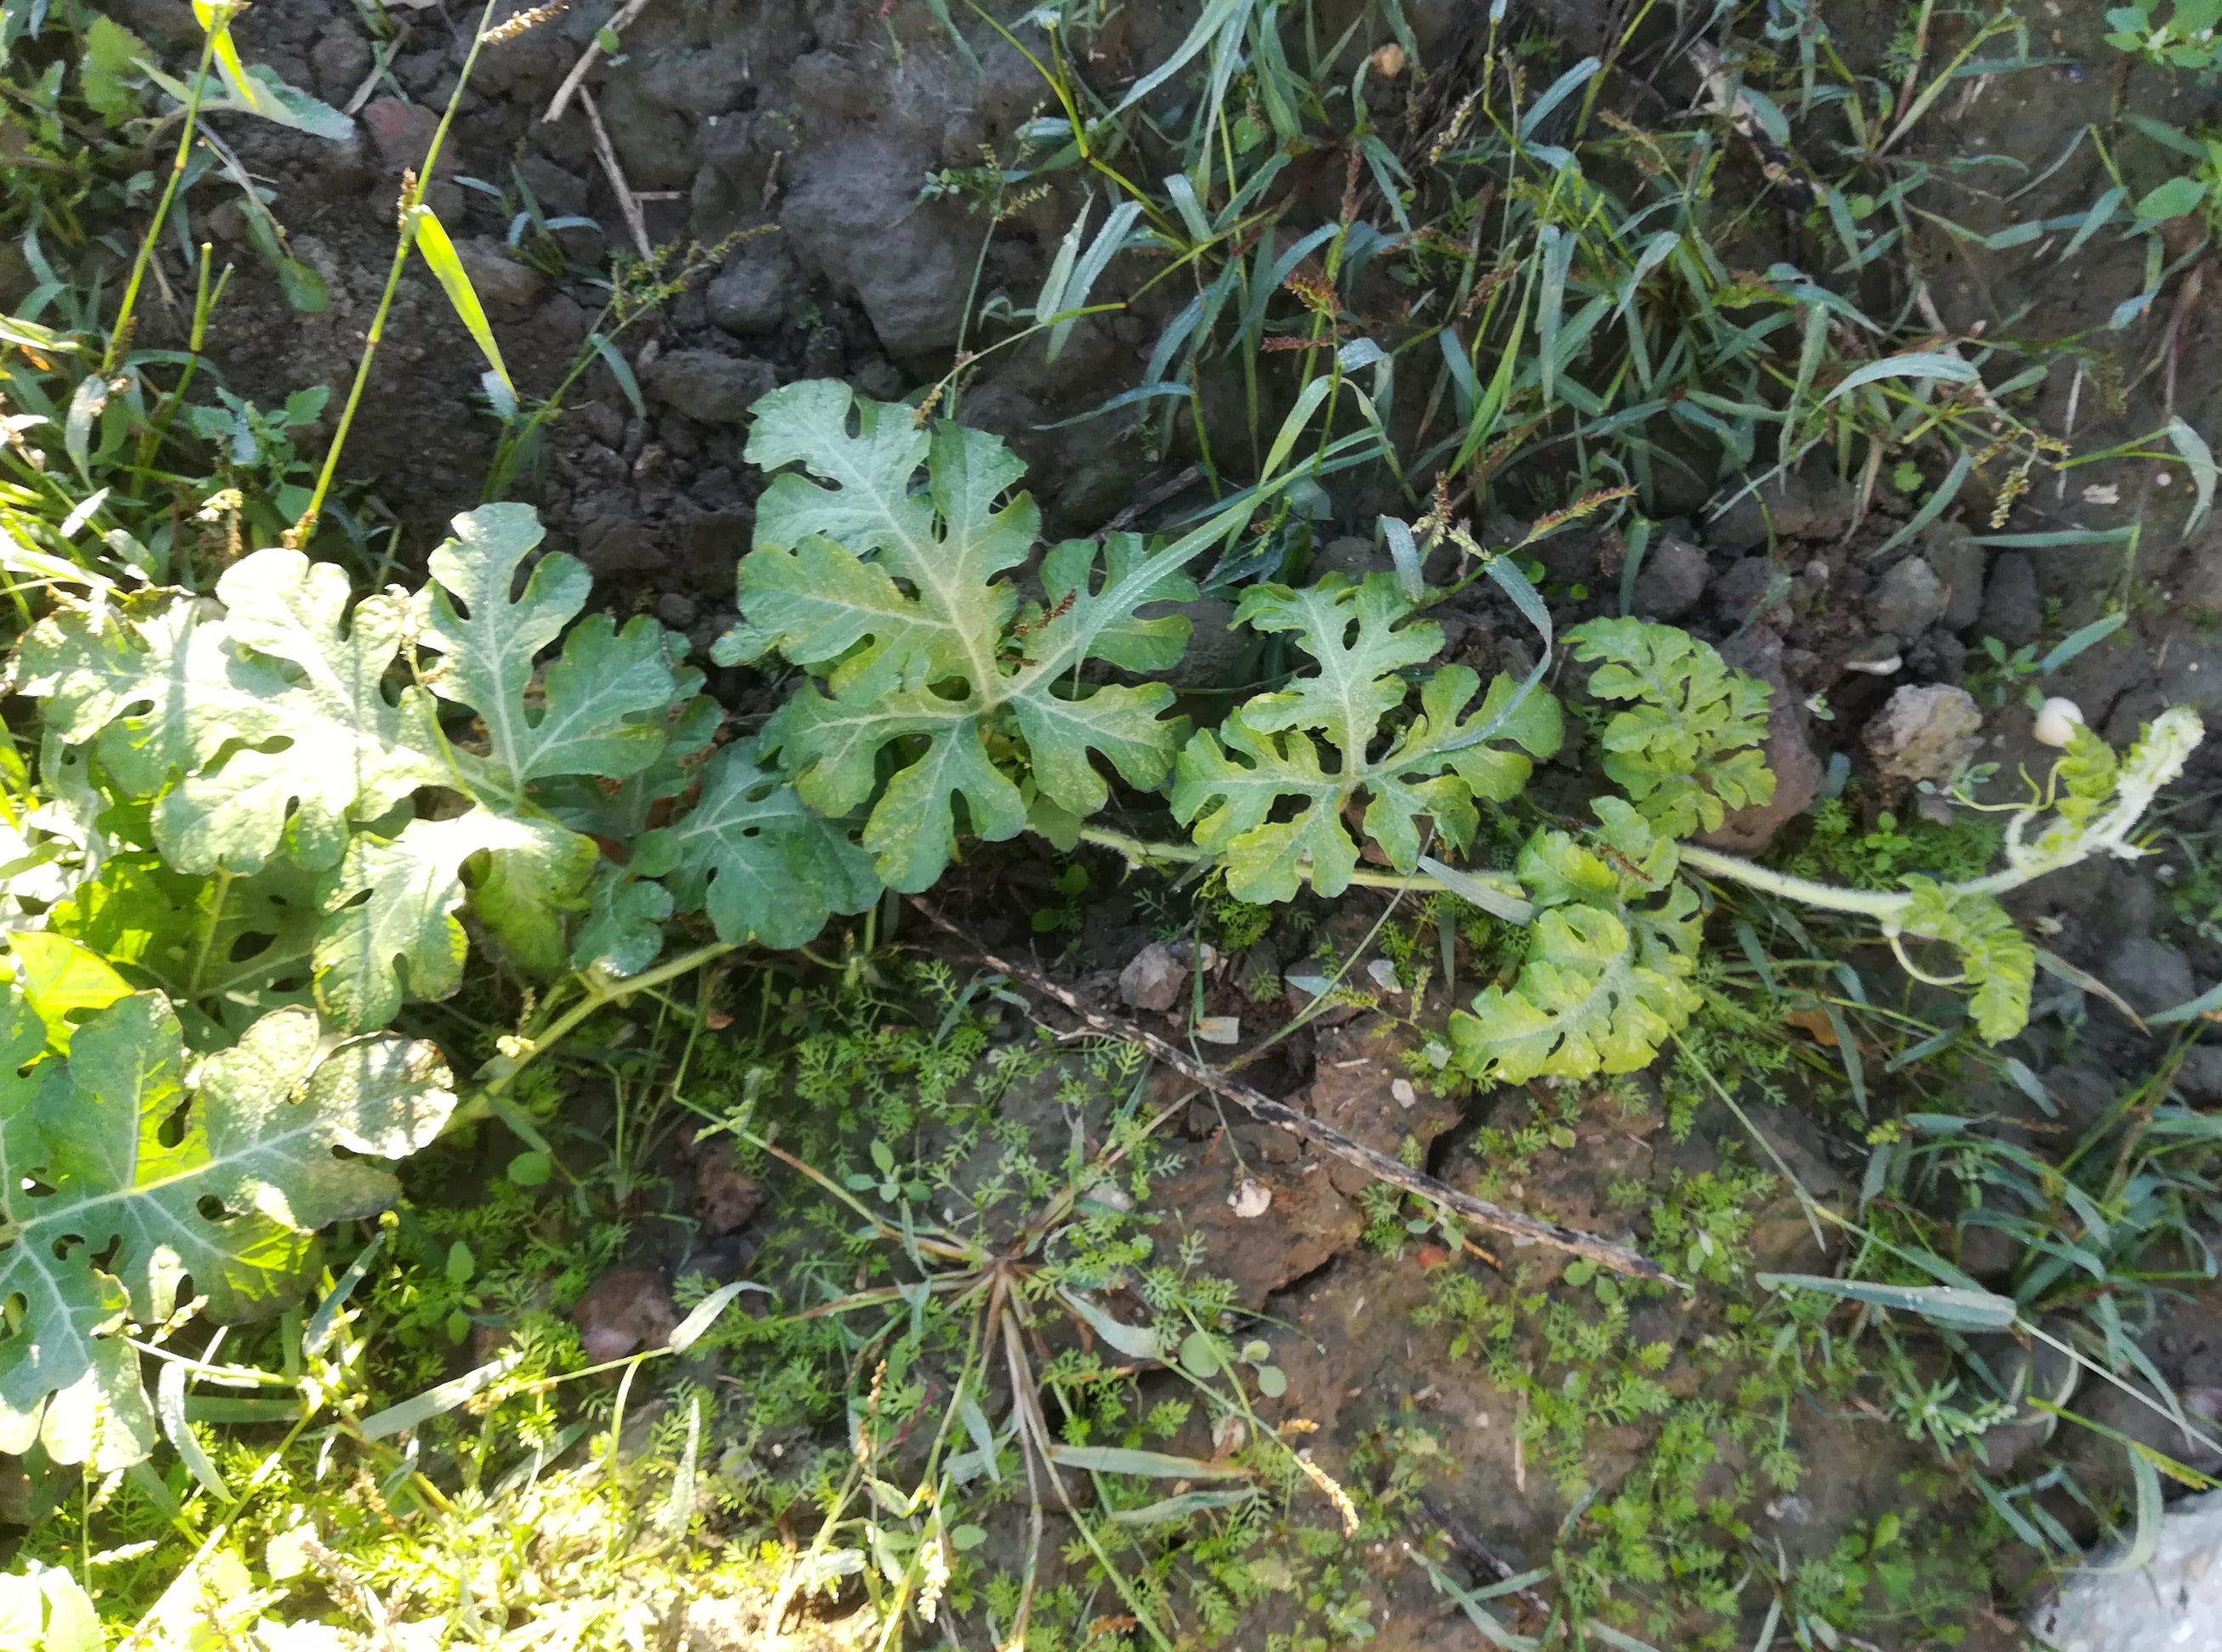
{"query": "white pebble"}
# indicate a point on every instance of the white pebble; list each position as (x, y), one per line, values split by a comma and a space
(1402, 1090)
(1253, 1198)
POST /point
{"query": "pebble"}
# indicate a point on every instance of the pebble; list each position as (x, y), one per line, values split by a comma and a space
(1251, 1199)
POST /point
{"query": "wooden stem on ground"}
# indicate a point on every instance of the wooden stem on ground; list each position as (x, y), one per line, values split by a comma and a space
(1325, 1137)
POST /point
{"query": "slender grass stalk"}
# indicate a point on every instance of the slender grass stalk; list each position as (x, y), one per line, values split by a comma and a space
(412, 196)
(119, 337)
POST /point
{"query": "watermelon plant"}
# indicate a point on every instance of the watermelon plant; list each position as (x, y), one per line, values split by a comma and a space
(270, 810)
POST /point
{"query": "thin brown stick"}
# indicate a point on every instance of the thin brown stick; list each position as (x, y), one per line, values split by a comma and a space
(574, 81)
(628, 203)
(1266, 1110)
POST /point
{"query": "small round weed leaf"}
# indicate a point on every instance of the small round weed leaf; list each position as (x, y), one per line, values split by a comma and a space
(964, 1538)
(1257, 1348)
(1272, 1381)
(528, 1170)
(1200, 1355)
(460, 1263)
(1580, 1271)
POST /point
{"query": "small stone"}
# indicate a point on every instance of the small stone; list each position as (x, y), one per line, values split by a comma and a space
(1925, 733)
(1789, 749)
(2013, 610)
(726, 1198)
(1673, 578)
(340, 59)
(1401, 1090)
(1352, 557)
(713, 388)
(1815, 506)
(2199, 1079)
(2151, 974)
(1258, 973)
(1753, 589)
(1250, 1200)
(676, 610)
(627, 1308)
(1959, 566)
(403, 132)
(1154, 978)
(756, 293)
(1909, 599)
(1215, 644)
(1879, 655)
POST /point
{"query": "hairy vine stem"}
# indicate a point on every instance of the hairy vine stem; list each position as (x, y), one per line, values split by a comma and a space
(2155, 761)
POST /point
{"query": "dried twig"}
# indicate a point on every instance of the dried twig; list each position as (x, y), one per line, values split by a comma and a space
(628, 202)
(576, 78)
(1266, 1110)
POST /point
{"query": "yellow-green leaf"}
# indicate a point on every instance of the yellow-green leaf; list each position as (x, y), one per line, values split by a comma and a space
(62, 979)
(440, 254)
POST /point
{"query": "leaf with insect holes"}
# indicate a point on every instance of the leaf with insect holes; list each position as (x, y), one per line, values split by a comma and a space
(1606, 977)
(602, 707)
(218, 1173)
(933, 680)
(1259, 793)
(225, 952)
(391, 904)
(1682, 750)
(272, 720)
(758, 863)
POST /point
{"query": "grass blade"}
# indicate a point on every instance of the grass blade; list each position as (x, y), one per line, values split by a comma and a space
(705, 1313)
(1556, 93)
(2079, 639)
(440, 1399)
(1179, 1508)
(2200, 457)
(431, 237)
(1155, 1465)
(1934, 506)
(1943, 1304)
(1918, 364)
(170, 1402)
(1475, 893)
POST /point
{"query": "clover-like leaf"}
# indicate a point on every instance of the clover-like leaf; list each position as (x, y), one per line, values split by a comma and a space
(1606, 977)
(1679, 750)
(165, 1173)
(601, 708)
(936, 685)
(1259, 792)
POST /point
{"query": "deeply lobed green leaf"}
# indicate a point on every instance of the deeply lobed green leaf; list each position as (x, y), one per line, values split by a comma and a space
(205, 1179)
(1679, 749)
(932, 688)
(1997, 958)
(1606, 979)
(1261, 792)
